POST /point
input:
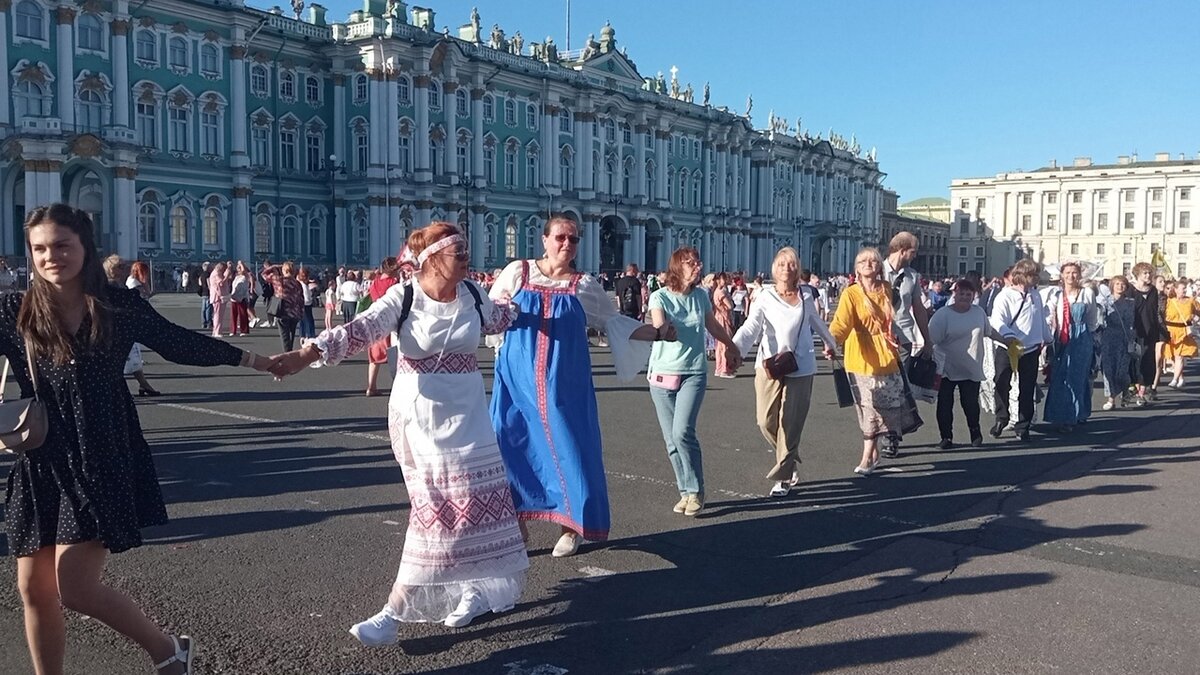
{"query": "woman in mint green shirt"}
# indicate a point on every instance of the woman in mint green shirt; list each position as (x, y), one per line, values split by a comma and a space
(679, 370)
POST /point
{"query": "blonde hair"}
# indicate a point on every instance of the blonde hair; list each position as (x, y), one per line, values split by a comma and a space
(868, 252)
(786, 252)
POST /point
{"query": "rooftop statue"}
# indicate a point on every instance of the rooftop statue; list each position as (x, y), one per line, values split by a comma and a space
(475, 25)
(592, 48)
(660, 84)
(551, 52)
(497, 40)
(707, 91)
(297, 7)
(749, 104)
(689, 94)
(517, 43)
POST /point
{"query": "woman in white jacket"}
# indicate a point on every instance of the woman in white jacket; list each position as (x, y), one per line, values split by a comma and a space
(782, 319)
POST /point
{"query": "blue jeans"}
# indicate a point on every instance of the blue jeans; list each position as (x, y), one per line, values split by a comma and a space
(206, 312)
(308, 328)
(677, 413)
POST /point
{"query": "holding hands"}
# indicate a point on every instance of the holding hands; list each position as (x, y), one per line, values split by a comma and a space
(290, 363)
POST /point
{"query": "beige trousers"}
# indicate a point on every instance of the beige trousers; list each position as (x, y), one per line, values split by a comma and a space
(782, 407)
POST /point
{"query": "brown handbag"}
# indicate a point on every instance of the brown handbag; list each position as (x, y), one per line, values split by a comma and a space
(780, 365)
(23, 423)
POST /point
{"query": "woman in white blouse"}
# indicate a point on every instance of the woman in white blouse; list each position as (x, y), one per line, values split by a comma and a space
(783, 319)
(348, 294)
(543, 402)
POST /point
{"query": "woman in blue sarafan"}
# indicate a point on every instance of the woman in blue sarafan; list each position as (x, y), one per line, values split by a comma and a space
(1073, 317)
(543, 401)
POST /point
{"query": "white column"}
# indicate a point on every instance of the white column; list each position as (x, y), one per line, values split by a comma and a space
(639, 162)
(450, 144)
(239, 122)
(4, 87)
(124, 211)
(732, 198)
(706, 198)
(341, 225)
(65, 69)
(577, 138)
(120, 60)
(243, 245)
(585, 162)
(829, 179)
(745, 199)
(549, 142)
(389, 127)
(339, 119)
(478, 239)
(722, 172)
(639, 249)
(477, 156)
(667, 247)
(421, 167)
(593, 265)
(663, 159)
(375, 127)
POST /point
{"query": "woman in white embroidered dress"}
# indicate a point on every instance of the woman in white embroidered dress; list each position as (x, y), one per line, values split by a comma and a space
(463, 553)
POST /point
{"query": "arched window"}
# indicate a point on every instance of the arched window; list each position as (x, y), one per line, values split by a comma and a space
(262, 229)
(531, 116)
(181, 230)
(148, 225)
(462, 105)
(177, 53)
(30, 100)
(510, 165)
(435, 95)
(211, 226)
(147, 46)
(287, 85)
(532, 175)
(566, 167)
(403, 90)
(610, 176)
(564, 121)
(312, 89)
(510, 239)
(362, 236)
(627, 177)
(650, 179)
(316, 235)
(360, 88)
(260, 81)
(489, 108)
(30, 20)
(89, 34)
(406, 156)
(89, 110)
(510, 112)
(696, 191)
(437, 164)
(210, 60)
(671, 185)
(462, 156)
(683, 188)
(531, 238)
(289, 233)
(489, 237)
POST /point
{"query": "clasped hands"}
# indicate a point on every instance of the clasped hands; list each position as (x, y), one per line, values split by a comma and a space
(290, 363)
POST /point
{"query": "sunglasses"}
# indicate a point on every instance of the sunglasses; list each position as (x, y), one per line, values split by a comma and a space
(460, 255)
(560, 238)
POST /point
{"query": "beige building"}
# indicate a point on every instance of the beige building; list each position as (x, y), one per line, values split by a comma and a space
(932, 260)
(1114, 214)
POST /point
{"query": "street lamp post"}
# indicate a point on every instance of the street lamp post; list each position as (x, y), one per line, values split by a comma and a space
(333, 168)
(724, 237)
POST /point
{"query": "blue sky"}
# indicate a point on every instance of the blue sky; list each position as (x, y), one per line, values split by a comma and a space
(943, 89)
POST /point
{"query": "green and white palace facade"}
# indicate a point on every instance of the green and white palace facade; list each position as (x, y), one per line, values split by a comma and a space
(209, 130)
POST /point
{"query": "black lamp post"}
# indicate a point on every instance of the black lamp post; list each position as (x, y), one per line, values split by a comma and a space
(724, 237)
(333, 168)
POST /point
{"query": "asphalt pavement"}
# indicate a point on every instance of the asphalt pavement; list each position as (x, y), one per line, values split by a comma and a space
(1077, 554)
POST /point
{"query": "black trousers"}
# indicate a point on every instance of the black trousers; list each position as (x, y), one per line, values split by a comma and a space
(1147, 368)
(968, 398)
(1027, 369)
(287, 331)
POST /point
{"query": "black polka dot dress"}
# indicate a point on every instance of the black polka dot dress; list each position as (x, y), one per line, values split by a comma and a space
(93, 478)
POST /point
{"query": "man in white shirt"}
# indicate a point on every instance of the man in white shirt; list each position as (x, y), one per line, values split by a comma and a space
(1018, 313)
(911, 323)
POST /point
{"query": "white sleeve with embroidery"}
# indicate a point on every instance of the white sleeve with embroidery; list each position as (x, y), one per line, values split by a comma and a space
(506, 284)
(629, 356)
(498, 315)
(373, 323)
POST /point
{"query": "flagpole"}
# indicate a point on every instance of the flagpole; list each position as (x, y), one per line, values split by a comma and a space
(568, 25)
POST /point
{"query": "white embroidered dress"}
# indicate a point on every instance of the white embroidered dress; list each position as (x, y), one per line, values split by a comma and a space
(462, 528)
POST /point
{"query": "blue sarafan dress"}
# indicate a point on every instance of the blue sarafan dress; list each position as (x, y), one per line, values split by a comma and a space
(1069, 398)
(543, 400)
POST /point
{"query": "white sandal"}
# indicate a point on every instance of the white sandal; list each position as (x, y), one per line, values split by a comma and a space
(181, 655)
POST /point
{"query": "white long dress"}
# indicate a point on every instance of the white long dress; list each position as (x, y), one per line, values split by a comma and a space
(462, 527)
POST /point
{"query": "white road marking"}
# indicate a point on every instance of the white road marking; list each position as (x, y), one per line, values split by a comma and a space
(596, 571)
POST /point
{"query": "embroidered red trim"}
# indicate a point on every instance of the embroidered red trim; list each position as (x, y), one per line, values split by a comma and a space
(450, 363)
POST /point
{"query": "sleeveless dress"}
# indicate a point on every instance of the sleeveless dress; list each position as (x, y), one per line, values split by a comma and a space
(543, 400)
(1069, 395)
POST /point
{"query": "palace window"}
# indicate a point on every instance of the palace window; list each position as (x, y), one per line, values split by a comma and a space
(1026, 221)
(1076, 221)
(147, 47)
(147, 123)
(287, 85)
(287, 149)
(1074, 249)
(403, 91)
(1156, 220)
(1156, 194)
(1129, 221)
(1183, 249)
(510, 166)
(435, 95)
(406, 153)
(489, 108)
(313, 141)
(360, 88)
(1026, 198)
(361, 151)
(316, 235)
(362, 236)
(696, 191)
(181, 232)
(462, 105)
(650, 179)
(1101, 221)
(312, 90)
(1102, 196)
(210, 61)
(1185, 194)
(437, 147)
(610, 131)
(1185, 220)
(489, 163)
(532, 180)
(462, 158)
(30, 100)
(627, 178)
(89, 111)
(626, 133)
(510, 240)
(30, 20)
(566, 168)
(531, 116)
(260, 81)
(1051, 197)
(1129, 195)
(564, 121)
(180, 129)
(89, 33)
(964, 204)
(289, 231)
(148, 225)
(510, 112)
(260, 145)
(1077, 197)
(210, 133)
(211, 226)
(1099, 249)
(1051, 221)
(177, 54)
(262, 229)
(1126, 249)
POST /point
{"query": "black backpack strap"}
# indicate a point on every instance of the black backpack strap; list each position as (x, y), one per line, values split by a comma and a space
(478, 300)
(406, 306)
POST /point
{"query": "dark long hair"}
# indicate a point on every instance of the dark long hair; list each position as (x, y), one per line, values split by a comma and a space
(41, 316)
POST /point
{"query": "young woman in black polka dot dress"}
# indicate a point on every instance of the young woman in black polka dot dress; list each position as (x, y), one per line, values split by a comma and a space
(91, 487)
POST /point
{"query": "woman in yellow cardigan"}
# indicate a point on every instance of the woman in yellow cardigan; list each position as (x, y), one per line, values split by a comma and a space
(863, 324)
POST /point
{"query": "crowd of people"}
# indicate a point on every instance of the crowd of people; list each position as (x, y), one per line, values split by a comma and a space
(478, 472)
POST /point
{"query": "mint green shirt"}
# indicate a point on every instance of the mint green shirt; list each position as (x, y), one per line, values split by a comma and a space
(686, 313)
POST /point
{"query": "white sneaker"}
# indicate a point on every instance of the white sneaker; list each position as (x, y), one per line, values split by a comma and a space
(781, 489)
(567, 545)
(377, 631)
(1108, 405)
(471, 606)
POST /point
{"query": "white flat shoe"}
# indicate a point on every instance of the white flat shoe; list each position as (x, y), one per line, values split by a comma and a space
(781, 489)
(471, 606)
(377, 631)
(568, 545)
